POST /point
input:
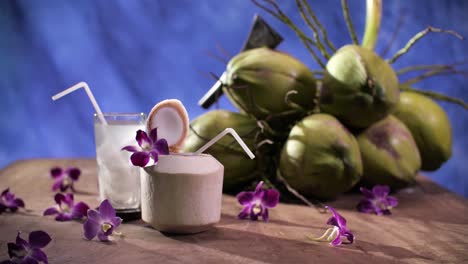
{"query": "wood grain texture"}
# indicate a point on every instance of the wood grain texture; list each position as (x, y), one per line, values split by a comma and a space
(430, 225)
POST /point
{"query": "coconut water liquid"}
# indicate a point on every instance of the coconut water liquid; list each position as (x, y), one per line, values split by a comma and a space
(119, 180)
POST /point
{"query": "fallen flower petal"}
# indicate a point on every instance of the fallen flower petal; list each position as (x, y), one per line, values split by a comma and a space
(8, 201)
(334, 234)
(64, 179)
(101, 223)
(66, 209)
(377, 200)
(26, 252)
(256, 204)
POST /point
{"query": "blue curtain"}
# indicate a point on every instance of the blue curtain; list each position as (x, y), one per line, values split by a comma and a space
(136, 53)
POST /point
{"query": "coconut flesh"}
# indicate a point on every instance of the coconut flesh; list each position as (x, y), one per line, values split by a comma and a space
(171, 119)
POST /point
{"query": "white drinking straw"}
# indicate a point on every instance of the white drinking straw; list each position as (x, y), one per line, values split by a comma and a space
(222, 134)
(90, 95)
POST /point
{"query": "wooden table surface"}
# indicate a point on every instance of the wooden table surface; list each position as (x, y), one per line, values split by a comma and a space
(430, 225)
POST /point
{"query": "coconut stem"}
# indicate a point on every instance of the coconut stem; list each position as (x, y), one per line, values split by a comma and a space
(319, 43)
(320, 26)
(450, 66)
(417, 37)
(280, 15)
(314, 204)
(436, 72)
(399, 25)
(373, 17)
(349, 22)
(436, 96)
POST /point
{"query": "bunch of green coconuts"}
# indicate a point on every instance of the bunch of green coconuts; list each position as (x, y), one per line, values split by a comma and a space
(323, 132)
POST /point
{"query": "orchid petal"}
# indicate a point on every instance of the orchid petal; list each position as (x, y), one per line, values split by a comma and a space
(59, 198)
(140, 159)
(15, 250)
(142, 139)
(154, 134)
(337, 241)
(366, 206)
(367, 193)
(102, 237)
(56, 172)
(154, 154)
(259, 189)
(131, 149)
(39, 239)
(50, 211)
(244, 213)
(162, 147)
(4, 192)
(349, 236)
(39, 255)
(68, 200)
(381, 190)
(339, 220)
(74, 173)
(94, 215)
(265, 216)
(57, 184)
(63, 217)
(245, 198)
(392, 201)
(106, 210)
(79, 210)
(270, 198)
(20, 241)
(253, 215)
(19, 202)
(2, 208)
(91, 228)
(116, 221)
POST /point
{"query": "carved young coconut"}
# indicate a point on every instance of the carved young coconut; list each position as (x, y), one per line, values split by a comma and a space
(171, 119)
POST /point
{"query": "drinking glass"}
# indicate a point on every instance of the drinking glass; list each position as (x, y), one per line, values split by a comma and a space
(119, 180)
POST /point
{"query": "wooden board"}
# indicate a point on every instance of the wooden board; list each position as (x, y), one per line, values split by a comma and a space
(430, 225)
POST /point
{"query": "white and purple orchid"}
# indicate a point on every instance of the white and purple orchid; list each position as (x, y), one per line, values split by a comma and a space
(66, 209)
(339, 230)
(148, 148)
(8, 201)
(28, 252)
(257, 203)
(64, 179)
(377, 200)
(101, 223)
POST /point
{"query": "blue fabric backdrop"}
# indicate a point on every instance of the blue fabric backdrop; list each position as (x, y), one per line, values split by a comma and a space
(136, 53)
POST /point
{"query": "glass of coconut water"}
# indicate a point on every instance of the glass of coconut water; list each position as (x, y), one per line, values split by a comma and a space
(119, 180)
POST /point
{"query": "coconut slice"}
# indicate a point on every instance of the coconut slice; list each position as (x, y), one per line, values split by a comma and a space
(171, 119)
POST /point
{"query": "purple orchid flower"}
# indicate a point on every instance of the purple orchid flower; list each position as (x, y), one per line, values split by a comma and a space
(257, 203)
(377, 201)
(339, 230)
(101, 223)
(66, 209)
(28, 252)
(64, 179)
(148, 147)
(9, 201)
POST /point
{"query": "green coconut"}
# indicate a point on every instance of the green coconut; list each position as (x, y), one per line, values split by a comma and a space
(389, 153)
(321, 157)
(429, 126)
(239, 169)
(359, 87)
(258, 81)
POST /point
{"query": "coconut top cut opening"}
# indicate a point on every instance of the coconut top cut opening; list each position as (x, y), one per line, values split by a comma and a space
(171, 119)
